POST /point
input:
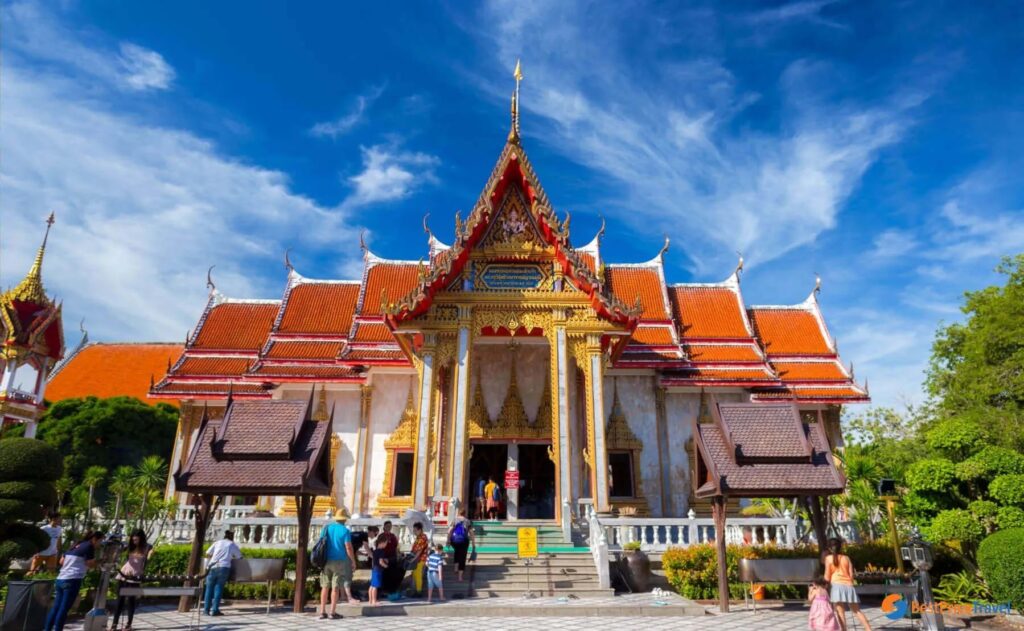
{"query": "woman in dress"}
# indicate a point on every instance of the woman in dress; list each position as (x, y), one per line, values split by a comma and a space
(839, 572)
(130, 575)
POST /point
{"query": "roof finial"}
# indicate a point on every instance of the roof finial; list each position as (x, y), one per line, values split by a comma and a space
(30, 289)
(287, 262)
(600, 232)
(664, 248)
(739, 264)
(209, 279)
(362, 241)
(513, 134)
(817, 283)
(426, 228)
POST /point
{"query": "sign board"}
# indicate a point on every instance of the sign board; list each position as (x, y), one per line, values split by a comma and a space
(506, 276)
(511, 479)
(527, 543)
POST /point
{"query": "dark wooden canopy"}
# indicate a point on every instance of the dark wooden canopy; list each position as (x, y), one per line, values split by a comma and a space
(261, 447)
(762, 450)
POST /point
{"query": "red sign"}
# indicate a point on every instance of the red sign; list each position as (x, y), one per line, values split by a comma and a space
(511, 479)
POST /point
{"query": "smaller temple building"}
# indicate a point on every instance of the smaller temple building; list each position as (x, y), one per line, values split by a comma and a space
(33, 343)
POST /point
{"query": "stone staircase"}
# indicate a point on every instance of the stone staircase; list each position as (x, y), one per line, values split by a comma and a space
(560, 569)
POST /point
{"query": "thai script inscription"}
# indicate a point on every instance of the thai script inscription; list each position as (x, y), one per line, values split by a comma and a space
(512, 276)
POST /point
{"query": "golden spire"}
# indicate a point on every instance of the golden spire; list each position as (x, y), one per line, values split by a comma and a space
(513, 134)
(30, 289)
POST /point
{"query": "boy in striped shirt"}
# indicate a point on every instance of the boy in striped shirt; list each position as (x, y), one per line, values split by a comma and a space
(435, 561)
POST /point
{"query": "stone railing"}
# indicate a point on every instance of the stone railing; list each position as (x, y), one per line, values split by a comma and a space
(187, 513)
(273, 532)
(598, 541)
(657, 534)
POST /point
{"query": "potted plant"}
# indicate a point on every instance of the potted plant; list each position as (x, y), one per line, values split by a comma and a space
(636, 567)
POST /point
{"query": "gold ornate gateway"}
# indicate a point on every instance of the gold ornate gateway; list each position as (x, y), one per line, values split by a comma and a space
(512, 421)
(403, 439)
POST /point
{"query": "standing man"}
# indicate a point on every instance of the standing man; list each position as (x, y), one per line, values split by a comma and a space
(493, 494)
(341, 563)
(218, 569)
(478, 496)
(394, 571)
(47, 559)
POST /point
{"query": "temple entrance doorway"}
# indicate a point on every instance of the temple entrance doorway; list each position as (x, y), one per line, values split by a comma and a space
(536, 483)
(488, 461)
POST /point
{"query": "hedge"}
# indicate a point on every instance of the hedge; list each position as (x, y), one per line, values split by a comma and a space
(1008, 489)
(1001, 559)
(28, 459)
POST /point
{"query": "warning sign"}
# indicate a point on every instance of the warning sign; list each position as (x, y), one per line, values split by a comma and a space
(511, 479)
(527, 543)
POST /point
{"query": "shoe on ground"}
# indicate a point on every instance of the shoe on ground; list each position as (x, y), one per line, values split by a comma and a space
(336, 616)
(323, 616)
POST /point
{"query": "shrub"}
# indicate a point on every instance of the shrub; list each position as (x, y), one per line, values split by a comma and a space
(1008, 489)
(631, 546)
(962, 587)
(28, 459)
(173, 559)
(1001, 559)
(693, 571)
(955, 437)
(28, 469)
(990, 462)
(1010, 517)
(956, 525)
(931, 474)
(985, 512)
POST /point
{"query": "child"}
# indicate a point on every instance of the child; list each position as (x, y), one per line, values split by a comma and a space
(822, 617)
(435, 561)
(379, 564)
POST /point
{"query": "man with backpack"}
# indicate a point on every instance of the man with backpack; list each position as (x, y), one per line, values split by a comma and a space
(493, 492)
(460, 536)
(339, 564)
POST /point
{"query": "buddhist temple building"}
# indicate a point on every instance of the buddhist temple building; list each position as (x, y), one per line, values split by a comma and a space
(33, 344)
(512, 349)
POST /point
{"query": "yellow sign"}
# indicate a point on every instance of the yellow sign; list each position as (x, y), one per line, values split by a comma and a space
(527, 543)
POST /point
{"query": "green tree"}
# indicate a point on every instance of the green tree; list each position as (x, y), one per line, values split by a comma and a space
(28, 470)
(120, 485)
(107, 432)
(150, 474)
(92, 478)
(977, 367)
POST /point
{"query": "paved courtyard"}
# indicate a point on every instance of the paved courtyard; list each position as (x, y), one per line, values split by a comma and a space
(578, 614)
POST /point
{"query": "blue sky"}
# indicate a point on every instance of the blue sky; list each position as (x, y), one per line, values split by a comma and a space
(877, 144)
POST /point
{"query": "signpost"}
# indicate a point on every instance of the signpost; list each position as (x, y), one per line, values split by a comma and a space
(511, 479)
(527, 548)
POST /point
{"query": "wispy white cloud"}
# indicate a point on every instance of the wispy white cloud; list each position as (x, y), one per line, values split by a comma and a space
(338, 127)
(144, 69)
(893, 243)
(666, 134)
(390, 174)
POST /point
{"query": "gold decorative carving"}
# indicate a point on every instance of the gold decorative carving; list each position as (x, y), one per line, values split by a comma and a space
(320, 414)
(511, 319)
(444, 354)
(619, 434)
(512, 421)
(513, 231)
(477, 419)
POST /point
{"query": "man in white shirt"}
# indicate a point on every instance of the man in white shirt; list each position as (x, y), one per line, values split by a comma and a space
(47, 559)
(218, 566)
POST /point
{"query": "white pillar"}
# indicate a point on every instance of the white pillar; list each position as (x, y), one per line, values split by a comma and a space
(561, 391)
(512, 508)
(423, 433)
(601, 450)
(458, 455)
(362, 451)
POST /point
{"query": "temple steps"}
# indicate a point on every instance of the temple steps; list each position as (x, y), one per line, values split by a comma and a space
(494, 576)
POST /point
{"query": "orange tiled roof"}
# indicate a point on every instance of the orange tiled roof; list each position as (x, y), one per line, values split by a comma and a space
(298, 349)
(213, 366)
(394, 279)
(789, 331)
(375, 354)
(306, 370)
(722, 352)
(626, 283)
(708, 312)
(241, 326)
(810, 371)
(722, 374)
(186, 388)
(844, 393)
(372, 332)
(320, 308)
(653, 336)
(112, 370)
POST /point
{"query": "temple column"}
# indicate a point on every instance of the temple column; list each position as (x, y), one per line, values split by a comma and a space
(560, 414)
(664, 453)
(461, 372)
(362, 452)
(423, 407)
(590, 360)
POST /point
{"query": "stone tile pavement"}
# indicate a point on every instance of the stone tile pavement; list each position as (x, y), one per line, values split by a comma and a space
(576, 616)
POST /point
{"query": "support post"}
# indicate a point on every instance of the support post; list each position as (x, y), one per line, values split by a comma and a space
(422, 457)
(304, 505)
(819, 524)
(890, 505)
(203, 509)
(362, 451)
(459, 453)
(718, 513)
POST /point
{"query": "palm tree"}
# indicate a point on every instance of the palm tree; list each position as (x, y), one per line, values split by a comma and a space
(150, 474)
(92, 477)
(63, 486)
(120, 484)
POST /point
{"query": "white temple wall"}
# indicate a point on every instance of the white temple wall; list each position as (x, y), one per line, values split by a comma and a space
(636, 395)
(493, 364)
(390, 393)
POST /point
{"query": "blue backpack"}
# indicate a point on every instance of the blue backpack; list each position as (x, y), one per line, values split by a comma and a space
(459, 534)
(496, 493)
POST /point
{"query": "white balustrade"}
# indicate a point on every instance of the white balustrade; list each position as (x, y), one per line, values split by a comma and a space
(657, 534)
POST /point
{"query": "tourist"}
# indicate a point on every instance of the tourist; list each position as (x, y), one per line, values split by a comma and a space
(435, 564)
(395, 571)
(362, 542)
(460, 536)
(839, 572)
(420, 549)
(493, 493)
(341, 563)
(218, 569)
(73, 567)
(822, 617)
(479, 496)
(131, 574)
(47, 559)
(379, 563)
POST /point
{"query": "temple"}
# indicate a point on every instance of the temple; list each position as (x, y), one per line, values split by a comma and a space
(33, 344)
(512, 353)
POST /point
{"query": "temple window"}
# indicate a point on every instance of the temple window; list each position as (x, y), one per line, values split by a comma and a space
(620, 471)
(402, 475)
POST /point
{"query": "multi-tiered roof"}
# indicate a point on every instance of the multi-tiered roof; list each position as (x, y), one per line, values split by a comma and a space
(334, 331)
